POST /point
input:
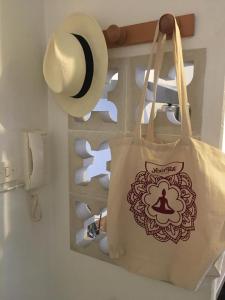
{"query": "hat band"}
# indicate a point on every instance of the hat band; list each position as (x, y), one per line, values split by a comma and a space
(89, 66)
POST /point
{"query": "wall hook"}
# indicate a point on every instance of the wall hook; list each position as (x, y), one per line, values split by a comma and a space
(116, 35)
(144, 32)
(167, 24)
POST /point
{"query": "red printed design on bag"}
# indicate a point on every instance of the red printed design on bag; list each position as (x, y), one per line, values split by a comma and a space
(163, 202)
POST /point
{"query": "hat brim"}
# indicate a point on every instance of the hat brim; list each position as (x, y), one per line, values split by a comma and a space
(87, 27)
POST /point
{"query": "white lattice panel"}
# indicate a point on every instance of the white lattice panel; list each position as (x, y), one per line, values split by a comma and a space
(115, 113)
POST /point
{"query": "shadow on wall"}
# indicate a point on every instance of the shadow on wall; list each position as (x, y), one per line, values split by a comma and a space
(23, 102)
(23, 105)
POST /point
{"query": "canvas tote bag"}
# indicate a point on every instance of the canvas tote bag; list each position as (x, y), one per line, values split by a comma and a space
(166, 202)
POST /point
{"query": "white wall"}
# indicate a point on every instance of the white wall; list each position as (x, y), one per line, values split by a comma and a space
(24, 256)
(35, 259)
(80, 277)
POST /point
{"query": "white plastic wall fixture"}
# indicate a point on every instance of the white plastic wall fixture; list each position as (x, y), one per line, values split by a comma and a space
(34, 159)
(169, 110)
(171, 113)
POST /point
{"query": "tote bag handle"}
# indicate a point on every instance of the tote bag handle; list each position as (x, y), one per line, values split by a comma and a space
(181, 86)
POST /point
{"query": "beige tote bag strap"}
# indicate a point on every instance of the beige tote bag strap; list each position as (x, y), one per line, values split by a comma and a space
(157, 67)
(181, 86)
(158, 36)
(186, 130)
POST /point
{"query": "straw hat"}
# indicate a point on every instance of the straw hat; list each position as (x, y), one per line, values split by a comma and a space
(75, 64)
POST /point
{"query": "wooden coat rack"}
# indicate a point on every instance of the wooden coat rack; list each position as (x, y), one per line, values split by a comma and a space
(144, 32)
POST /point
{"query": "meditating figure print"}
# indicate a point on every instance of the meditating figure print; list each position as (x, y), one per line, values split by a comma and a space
(162, 204)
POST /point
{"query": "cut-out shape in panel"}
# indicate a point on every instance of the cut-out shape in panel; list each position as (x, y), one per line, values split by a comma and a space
(94, 229)
(125, 93)
(169, 82)
(106, 108)
(82, 210)
(94, 163)
(166, 90)
(147, 111)
(83, 148)
(104, 246)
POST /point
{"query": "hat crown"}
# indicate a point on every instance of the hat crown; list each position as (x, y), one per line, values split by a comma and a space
(69, 71)
(75, 64)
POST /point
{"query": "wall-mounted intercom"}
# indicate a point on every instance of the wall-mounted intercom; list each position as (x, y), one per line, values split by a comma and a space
(34, 159)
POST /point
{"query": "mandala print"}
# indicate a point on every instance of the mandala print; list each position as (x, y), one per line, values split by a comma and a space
(163, 202)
